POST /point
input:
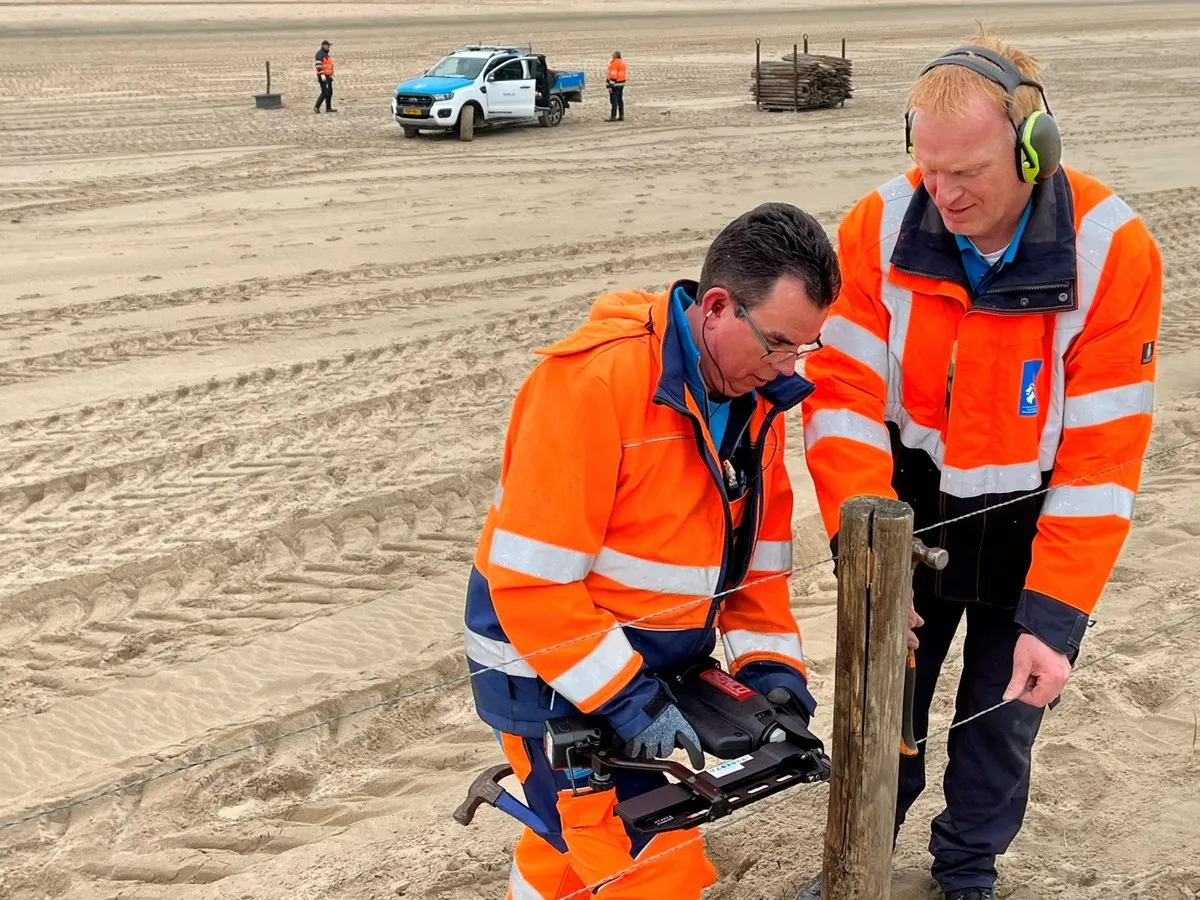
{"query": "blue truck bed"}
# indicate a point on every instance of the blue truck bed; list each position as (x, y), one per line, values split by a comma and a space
(567, 82)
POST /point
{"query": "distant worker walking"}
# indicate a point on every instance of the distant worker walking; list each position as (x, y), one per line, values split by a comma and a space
(324, 67)
(615, 79)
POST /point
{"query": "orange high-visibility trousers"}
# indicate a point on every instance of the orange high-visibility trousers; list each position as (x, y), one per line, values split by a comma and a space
(598, 849)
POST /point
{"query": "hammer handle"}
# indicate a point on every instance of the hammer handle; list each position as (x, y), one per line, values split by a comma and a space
(908, 738)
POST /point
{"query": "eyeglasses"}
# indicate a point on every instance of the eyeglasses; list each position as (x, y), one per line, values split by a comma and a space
(775, 355)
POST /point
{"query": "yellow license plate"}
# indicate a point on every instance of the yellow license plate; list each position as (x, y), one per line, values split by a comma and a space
(411, 111)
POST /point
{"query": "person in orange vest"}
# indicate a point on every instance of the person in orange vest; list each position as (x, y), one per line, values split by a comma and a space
(644, 472)
(615, 79)
(324, 67)
(991, 362)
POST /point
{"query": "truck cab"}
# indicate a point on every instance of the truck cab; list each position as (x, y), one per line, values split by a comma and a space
(485, 85)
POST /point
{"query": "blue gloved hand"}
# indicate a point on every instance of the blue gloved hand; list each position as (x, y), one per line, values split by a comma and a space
(668, 730)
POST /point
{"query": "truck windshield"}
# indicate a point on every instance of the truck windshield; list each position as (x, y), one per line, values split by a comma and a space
(458, 67)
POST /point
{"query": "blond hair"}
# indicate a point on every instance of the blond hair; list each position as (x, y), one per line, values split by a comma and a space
(950, 89)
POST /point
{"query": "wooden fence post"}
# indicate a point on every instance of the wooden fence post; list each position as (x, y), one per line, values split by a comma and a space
(875, 552)
(795, 80)
(758, 73)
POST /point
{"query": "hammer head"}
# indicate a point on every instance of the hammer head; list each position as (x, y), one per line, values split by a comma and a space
(934, 557)
(484, 789)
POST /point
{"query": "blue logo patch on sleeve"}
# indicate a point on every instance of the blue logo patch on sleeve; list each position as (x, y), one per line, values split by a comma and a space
(1029, 374)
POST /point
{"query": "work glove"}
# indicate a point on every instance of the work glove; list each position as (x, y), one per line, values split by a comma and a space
(660, 738)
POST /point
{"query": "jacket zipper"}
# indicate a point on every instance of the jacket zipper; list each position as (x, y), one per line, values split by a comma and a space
(714, 470)
(750, 515)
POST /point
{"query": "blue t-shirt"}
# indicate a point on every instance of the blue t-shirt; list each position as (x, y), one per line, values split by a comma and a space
(976, 265)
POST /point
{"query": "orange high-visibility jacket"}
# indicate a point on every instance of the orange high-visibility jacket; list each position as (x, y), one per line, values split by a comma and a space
(324, 63)
(613, 505)
(616, 72)
(954, 403)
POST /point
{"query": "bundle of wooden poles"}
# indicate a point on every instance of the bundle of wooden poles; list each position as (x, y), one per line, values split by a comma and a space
(806, 81)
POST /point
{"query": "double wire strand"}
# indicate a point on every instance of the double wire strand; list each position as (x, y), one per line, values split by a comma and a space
(66, 806)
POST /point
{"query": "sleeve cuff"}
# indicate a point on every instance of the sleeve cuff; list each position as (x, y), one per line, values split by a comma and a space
(634, 707)
(766, 676)
(1053, 622)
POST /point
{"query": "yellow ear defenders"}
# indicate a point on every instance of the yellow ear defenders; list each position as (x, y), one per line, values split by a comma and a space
(1039, 143)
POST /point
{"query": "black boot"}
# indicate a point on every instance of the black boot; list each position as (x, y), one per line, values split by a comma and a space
(975, 893)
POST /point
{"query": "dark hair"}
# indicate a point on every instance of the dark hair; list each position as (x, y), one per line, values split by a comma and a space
(772, 240)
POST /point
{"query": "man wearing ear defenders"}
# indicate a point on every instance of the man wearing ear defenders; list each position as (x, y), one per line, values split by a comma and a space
(643, 504)
(991, 357)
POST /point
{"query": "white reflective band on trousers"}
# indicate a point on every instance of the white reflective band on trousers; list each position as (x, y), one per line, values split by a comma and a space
(885, 359)
(520, 886)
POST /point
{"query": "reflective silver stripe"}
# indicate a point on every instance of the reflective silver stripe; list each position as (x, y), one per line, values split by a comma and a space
(858, 343)
(918, 437)
(845, 423)
(496, 495)
(772, 556)
(1092, 244)
(648, 575)
(1025, 476)
(898, 188)
(896, 195)
(898, 302)
(520, 886)
(538, 559)
(495, 654)
(1102, 407)
(1089, 500)
(595, 670)
(741, 643)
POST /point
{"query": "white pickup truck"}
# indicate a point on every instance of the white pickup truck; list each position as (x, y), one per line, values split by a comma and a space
(483, 85)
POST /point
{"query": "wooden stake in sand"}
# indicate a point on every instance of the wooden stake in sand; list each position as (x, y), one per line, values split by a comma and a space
(800, 80)
(267, 100)
(875, 552)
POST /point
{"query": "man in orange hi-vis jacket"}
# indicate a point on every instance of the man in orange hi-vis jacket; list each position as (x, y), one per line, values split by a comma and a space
(991, 357)
(323, 63)
(615, 81)
(643, 475)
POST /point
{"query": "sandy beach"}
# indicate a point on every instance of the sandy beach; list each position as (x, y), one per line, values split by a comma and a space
(255, 370)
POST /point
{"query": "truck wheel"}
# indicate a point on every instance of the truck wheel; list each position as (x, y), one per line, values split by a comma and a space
(466, 123)
(410, 131)
(552, 116)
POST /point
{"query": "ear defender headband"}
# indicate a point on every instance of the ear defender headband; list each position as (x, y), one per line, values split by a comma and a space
(1039, 143)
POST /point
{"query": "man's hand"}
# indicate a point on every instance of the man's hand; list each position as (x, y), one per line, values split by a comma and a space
(660, 738)
(914, 622)
(1039, 672)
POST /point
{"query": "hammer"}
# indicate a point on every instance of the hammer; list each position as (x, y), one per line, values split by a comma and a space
(936, 558)
(486, 789)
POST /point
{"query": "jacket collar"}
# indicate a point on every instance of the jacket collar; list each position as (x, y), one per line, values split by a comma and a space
(784, 392)
(1041, 277)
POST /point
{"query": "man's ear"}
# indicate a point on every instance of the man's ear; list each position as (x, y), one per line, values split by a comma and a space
(716, 299)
